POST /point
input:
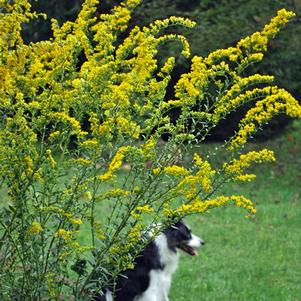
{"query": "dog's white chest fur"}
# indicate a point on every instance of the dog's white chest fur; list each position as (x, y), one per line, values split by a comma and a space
(160, 280)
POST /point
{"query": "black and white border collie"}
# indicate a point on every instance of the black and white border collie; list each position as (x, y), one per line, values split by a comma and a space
(151, 278)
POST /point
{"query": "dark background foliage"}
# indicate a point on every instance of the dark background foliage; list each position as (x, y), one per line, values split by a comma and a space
(220, 24)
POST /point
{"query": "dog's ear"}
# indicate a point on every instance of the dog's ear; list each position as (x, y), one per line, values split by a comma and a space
(178, 222)
(171, 220)
(175, 219)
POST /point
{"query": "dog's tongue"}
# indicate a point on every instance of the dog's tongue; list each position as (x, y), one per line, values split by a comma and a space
(191, 251)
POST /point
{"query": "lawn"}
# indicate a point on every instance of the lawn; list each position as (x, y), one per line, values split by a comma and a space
(251, 259)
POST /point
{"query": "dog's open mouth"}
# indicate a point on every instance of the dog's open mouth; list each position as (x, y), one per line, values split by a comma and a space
(190, 250)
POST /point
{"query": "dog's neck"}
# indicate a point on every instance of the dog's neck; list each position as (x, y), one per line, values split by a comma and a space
(169, 258)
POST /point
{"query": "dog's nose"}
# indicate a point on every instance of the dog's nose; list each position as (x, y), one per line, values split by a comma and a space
(202, 242)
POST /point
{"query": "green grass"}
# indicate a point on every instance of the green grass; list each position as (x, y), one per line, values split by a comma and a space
(251, 259)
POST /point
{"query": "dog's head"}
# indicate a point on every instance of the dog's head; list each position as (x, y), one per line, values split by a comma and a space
(179, 236)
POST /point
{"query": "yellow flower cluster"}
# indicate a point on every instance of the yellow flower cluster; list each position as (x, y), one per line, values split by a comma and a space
(124, 126)
(54, 135)
(277, 22)
(197, 160)
(71, 246)
(175, 170)
(61, 212)
(258, 41)
(199, 206)
(17, 13)
(177, 37)
(114, 193)
(278, 101)
(236, 168)
(135, 233)
(63, 117)
(115, 164)
(145, 209)
(158, 25)
(235, 98)
(89, 143)
(191, 85)
(191, 90)
(64, 234)
(148, 148)
(156, 170)
(100, 233)
(140, 210)
(231, 53)
(50, 158)
(35, 228)
(200, 181)
(167, 67)
(88, 195)
(83, 161)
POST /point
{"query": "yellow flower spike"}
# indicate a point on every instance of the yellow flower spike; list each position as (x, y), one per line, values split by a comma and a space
(236, 168)
(54, 135)
(201, 181)
(117, 161)
(135, 233)
(35, 228)
(114, 193)
(245, 177)
(148, 146)
(83, 161)
(201, 206)
(277, 22)
(88, 195)
(136, 215)
(257, 42)
(101, 235)
(176, 37)
(64, 234)
(218, 54)
(167, 67)
(131, 3)
(106, 176)
(90, 143)
(175, 170)
(158, 25)
(50, 158)
(63, 117)
(76, 221)
(197, 160)
(277, 101)
(145, 209)
(156, 170)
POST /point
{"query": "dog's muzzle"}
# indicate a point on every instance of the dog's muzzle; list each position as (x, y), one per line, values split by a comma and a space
(190, 245)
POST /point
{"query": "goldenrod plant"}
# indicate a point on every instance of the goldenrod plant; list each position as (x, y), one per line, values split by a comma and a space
(79, 108)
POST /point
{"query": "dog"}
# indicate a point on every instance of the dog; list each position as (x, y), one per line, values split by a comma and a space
(150, 280)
